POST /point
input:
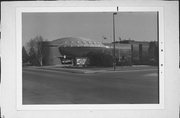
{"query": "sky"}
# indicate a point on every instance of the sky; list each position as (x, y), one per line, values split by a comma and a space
(138, 26)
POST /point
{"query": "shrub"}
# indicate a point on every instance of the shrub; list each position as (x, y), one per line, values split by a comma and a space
(100, 59)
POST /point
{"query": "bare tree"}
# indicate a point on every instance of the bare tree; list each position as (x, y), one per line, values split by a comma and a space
(25, 56)
(36, 51)
(120, 39)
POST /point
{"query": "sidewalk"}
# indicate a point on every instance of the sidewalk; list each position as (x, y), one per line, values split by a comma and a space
(91, 70)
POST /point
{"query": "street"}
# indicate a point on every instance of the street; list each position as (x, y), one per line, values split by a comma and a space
(42, 86)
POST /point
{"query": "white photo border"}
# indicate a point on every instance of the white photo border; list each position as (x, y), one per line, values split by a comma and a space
(20, 106)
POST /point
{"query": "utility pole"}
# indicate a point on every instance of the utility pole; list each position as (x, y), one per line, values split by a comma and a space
(114, 55)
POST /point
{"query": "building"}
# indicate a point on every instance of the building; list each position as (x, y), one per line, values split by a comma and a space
(66, 50)
(143, 52)
(82, 51)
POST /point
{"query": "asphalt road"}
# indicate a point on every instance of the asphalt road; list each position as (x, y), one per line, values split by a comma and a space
(60, 87)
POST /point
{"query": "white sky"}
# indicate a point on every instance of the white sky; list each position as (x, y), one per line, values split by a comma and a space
(137, 26)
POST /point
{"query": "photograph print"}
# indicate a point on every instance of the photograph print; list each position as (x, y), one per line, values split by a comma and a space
(90, 58)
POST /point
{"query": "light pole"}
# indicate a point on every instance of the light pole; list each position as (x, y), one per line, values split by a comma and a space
(114, 56)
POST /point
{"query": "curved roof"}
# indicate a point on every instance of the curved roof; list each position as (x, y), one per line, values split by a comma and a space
(76, 42)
